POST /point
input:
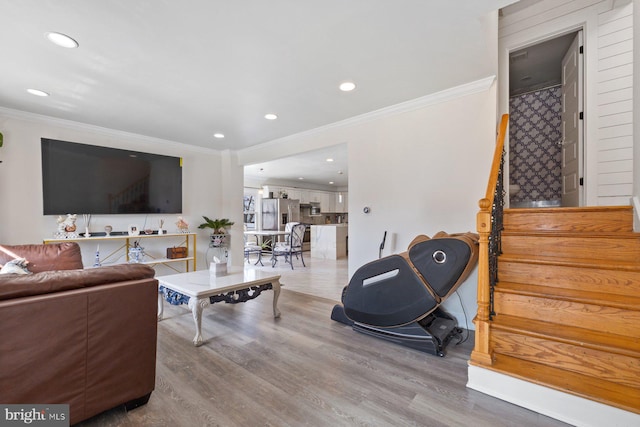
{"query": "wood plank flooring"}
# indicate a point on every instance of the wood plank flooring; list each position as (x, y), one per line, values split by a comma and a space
(304, 369)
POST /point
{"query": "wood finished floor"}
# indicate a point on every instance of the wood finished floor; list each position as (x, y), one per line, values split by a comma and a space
(304, 369)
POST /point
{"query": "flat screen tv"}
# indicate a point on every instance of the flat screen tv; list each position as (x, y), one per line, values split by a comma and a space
(88, 179)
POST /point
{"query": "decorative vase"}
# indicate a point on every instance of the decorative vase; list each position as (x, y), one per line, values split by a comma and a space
(136, 254)
(218, 240)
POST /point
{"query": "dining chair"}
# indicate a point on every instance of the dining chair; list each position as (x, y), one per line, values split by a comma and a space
(293, 246)
(251, 246)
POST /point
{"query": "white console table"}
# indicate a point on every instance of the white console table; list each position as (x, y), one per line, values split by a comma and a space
(186, 239)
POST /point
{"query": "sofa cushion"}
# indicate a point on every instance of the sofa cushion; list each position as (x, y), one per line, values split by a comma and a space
(54, 256)
(45, 282)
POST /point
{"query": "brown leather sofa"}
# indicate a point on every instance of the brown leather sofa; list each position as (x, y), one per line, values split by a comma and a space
(82, 337)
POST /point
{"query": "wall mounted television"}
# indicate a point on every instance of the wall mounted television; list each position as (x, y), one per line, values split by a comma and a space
(89, 179)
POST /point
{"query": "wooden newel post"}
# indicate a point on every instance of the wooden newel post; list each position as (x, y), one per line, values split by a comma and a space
(481, 354)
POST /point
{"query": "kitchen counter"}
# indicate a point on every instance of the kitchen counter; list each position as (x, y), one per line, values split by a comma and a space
(329, 241)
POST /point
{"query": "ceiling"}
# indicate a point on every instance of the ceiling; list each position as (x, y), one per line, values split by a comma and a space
(311, 166)
(184, 70)
(538, 66)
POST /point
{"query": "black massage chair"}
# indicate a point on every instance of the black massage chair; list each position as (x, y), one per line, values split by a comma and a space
(398, 297)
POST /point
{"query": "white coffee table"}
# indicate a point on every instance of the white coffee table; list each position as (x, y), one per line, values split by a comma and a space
(199, 289)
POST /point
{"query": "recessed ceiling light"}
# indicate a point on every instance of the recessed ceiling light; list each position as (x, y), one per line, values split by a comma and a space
(329, 159)
(62, 40)
(347, 86)
(301, 178)
(218, 135)
(37, 92)
(331, 182)
(270, 116)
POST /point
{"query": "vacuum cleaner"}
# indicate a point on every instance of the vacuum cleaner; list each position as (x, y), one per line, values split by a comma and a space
(397, 298)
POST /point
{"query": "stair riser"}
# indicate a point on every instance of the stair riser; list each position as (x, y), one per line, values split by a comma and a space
(584, 279)
(598, 318)
(595, 248)
(582, 220)
(616, 368)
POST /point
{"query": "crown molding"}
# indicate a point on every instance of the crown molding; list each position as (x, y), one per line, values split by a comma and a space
(107, 132)
(403, 107)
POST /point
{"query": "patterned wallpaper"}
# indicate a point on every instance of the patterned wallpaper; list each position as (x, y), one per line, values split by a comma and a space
(535, 155)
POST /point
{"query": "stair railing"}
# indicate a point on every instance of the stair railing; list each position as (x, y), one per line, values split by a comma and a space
(489, 226)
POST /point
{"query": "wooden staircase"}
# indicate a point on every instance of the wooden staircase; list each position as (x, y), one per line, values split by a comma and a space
(567, 303)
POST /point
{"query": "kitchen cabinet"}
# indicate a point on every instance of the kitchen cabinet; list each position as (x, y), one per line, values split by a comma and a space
(329, 200)
(325, 201)
(332, 203)
(314, 196)
(294, 193)
(341, 198)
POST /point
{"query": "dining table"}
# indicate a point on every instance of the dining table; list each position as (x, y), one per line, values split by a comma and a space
(264, 235)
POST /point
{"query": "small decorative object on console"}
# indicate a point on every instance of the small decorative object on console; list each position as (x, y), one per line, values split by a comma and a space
(87, 221)
(108, 229)
(96, 262)
(177, 252)
(66, 227)
(183, 226)
(136, 253)
(134, 230)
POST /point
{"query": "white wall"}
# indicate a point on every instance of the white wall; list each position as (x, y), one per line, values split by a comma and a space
(608, 53)
(433, 172)
(21, 215)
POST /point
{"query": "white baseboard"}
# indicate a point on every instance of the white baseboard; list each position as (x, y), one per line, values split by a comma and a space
(552, 403)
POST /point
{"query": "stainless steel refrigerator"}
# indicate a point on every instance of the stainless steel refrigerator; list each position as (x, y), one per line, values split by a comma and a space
(277, 212)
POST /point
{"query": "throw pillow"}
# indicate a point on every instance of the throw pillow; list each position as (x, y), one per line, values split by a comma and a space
(15, 266)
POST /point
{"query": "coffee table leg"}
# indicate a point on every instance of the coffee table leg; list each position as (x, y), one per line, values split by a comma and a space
(160, 306)
(196, 306)
(276, 294)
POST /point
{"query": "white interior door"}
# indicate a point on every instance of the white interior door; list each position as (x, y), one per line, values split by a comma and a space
(572, 129)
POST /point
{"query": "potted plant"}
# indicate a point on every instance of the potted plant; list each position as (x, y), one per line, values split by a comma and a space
(218, 229)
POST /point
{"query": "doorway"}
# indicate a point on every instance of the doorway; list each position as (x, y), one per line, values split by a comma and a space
(544, 107)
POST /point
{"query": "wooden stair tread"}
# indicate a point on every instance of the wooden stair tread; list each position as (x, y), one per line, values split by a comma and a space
(616, 208)
(619, 344)
(573, 234)
(570, 262)
(627, 302)
(620, 396)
